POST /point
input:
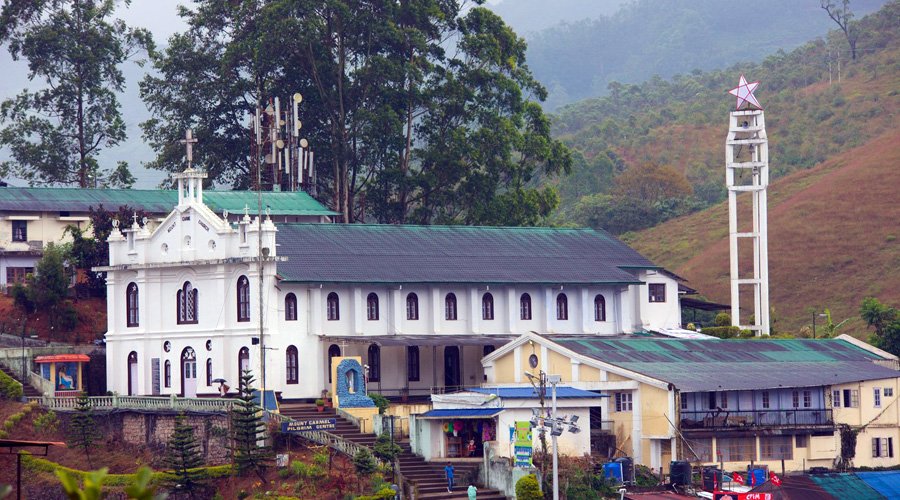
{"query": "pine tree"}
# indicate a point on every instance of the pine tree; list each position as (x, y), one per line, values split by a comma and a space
(248, 430)
(183, 456)
(82, 428)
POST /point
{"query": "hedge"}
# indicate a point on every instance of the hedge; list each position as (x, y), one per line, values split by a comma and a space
(10, 388)
(35, 464)
(723, 332)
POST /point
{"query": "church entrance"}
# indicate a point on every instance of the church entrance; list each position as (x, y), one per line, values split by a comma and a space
(188, 373)
(132, 373)
(451, 367)
(243, 364)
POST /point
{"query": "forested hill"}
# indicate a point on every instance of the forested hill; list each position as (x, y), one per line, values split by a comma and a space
(650, 152)
(578, 59)
(834, 151)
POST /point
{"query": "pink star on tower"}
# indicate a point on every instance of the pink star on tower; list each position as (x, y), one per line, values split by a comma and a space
(744, 93)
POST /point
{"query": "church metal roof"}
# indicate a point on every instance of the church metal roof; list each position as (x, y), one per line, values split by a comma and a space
(21, 199)
(363, 253)
(715, 364)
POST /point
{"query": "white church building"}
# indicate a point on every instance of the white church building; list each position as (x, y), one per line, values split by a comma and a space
(421, 305)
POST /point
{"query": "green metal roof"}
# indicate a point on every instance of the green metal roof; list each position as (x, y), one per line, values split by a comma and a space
(157, 201)
(846, 486)
(734, 364)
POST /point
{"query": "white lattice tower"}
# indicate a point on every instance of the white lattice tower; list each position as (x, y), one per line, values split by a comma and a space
(747, 171)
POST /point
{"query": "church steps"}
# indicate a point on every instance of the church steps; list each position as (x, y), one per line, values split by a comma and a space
(428, 477)
(27, 389)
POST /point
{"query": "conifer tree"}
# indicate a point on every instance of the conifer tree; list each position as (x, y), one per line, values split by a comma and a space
(248, 431)
(82, 428)
(183, 456)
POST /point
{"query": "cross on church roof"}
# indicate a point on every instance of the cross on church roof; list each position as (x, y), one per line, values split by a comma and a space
(189, 142)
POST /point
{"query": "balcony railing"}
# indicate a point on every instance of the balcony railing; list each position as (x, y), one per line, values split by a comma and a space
(725, 419)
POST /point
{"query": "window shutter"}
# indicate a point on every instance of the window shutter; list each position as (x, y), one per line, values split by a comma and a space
(618, 401)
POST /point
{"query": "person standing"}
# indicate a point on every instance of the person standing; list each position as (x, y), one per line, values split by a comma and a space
(473, 491)
(449, 471)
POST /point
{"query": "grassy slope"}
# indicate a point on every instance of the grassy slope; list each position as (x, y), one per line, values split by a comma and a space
(832, 238)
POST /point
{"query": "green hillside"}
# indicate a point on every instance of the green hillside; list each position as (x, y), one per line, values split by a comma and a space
(674, 129)
(834, 152)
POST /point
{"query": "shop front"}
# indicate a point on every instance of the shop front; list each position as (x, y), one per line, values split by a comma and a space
(456, 433)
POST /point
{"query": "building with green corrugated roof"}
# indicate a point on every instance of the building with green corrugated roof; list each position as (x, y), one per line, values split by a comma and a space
(32, 217)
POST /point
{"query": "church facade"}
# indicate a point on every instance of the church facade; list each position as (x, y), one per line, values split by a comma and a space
(190, 298)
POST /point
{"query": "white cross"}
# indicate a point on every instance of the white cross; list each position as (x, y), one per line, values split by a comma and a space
(246, 210)
(134, 218)
(189, 142)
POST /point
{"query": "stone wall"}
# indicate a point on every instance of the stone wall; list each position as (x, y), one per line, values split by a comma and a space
(153, 430)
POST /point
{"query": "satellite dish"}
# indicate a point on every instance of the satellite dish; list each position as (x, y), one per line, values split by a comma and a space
(304, 143)
(298, 98)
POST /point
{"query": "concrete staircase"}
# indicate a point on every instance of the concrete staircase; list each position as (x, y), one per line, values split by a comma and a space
(29, 391)
(428, 477)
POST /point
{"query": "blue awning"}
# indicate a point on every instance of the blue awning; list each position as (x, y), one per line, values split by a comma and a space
(461, 413)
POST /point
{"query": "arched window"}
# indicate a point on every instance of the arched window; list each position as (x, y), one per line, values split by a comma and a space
(131, 305)
(525, 307)
(562, 307)
(599, 308)
(372, 307)
(243, 299)
(374, 363)
(167, 374)
(412, 363)
(209, 376)
(412, 306)
(334, 307)
(450, 307)
(187, 304)
(334, 351)
(291, 365)
(487, 306)
(290, 307)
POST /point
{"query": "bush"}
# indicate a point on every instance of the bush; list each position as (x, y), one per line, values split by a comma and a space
(527, 488)
(723, 319)
(380, 401)
(385, 450)
(9, 387)
(383, 494)
(46, 423)
(723, 332)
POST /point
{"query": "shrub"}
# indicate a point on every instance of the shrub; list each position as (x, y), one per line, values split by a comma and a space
(723, 319)
(385, 450)
(527, 488)
(9, 387)
(46, 423)
(723, 332)
(380, 401)
(383, 494)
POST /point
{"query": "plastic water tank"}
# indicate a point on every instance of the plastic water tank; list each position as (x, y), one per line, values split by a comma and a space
(712, 477)
(627, 469)
(756, 477)
(680, 472)
(613, 470)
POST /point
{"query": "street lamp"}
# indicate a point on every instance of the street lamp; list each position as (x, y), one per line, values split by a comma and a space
(554, 424)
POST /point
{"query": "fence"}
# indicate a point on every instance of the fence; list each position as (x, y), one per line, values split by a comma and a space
(758, 418)
(209, 405)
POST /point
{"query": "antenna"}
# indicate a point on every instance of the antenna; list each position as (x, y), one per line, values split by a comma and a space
(277, 142)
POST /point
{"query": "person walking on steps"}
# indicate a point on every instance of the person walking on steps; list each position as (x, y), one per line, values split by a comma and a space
(449, 471)
(473, 491)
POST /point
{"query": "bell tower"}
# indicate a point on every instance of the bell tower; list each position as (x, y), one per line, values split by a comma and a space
(747, 171)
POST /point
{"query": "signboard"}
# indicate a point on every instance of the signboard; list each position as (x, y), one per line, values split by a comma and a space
(320, 424)
(523, 444)
(721, 495)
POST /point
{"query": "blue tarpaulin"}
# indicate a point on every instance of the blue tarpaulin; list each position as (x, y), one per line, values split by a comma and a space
(885, 482)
